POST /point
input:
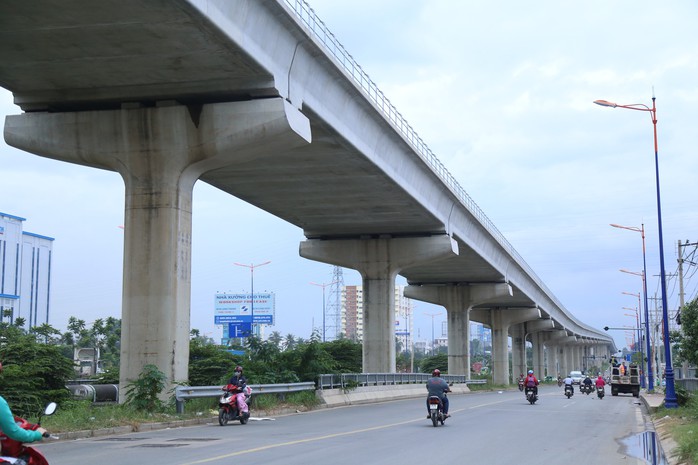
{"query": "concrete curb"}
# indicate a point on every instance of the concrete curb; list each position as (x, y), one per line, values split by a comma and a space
(134, 428)
(670, 449)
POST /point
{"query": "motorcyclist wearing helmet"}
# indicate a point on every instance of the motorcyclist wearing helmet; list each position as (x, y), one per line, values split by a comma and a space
(239, 380)
(9, 427)
(600, 382)
(531, 382)
(438, 387)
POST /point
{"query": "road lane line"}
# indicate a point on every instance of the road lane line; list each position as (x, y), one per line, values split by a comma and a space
(302, 441)
(329, 436)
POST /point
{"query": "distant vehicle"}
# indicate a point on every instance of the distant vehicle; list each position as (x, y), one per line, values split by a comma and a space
(577, 377)
(628, 383)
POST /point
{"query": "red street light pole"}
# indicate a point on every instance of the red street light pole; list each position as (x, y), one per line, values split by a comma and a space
(670, 399)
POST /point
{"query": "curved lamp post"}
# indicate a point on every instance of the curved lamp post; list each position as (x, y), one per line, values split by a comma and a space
(650, 375)
(252, 267)
(670, 400)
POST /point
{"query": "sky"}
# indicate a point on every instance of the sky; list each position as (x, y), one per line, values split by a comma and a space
(502, 93)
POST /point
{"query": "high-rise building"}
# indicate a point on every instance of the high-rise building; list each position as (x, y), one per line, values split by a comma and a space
(25, 273)
(352, 316)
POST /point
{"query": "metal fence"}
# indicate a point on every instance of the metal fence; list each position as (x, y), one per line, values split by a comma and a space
(689, 384)
(329, 381)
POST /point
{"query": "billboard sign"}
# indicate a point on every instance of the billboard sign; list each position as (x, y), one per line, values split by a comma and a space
(237, 308)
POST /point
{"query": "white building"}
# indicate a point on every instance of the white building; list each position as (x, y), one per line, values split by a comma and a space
(352, 315)
(25, 273)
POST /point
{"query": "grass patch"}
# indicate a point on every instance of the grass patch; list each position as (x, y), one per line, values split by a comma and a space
(83, 415)
(683, 427)
(686, 436)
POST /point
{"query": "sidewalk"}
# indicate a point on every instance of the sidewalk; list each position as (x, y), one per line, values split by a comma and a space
(653, 402)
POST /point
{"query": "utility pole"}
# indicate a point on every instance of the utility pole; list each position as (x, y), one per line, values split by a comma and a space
(684, 365)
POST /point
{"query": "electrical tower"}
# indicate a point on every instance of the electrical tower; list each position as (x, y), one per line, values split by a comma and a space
(334, 303)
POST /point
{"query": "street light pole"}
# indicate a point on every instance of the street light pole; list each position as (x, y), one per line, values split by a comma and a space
(323, 286)
(645, 363)
(638, 343)
(650, 374)
(433, 341)
(670, 399)
(252, 267)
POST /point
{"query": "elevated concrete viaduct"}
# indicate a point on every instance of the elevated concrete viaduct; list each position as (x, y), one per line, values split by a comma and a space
(258, 99)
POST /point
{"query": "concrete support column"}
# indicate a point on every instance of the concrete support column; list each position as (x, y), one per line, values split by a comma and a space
(555, 362)
(501, 320)
(568, 346)
(458, 300)
(552, 366)
(379, 261)
(538, 354)
(537, 336)
(160, 152)
(518, 351)
(577, 357)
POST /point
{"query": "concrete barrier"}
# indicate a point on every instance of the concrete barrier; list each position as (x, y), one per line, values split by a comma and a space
(369, 394)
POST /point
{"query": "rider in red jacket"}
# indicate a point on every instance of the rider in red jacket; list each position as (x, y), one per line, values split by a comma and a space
(600, 382)
(531, 382)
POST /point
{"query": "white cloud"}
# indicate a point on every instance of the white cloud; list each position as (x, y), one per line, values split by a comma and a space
(502, 92)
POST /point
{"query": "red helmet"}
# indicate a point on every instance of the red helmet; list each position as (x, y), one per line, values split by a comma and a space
(436, 372)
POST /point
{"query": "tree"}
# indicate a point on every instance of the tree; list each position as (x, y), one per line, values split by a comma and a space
(688, 341)
(209, 364)
(276, 339)
(34, 373)
(428, 364)
(289, 342)
(46, 333)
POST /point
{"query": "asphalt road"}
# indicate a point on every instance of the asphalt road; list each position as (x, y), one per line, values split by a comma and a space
(486, 428)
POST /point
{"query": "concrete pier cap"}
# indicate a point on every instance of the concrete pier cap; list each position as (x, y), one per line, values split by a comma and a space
(160, 152)
(458, 299)
(379, 260)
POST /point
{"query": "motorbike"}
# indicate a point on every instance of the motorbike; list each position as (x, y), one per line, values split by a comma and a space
(436, 412)
(531, 397)
(228, 405)
(559, 382)
(16, 452)
(585, 389)
(600, 392)
(521, 384)
(569, 390)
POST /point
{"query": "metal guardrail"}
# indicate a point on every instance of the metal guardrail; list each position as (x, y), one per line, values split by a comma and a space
(326, 381)
(330, 381)
(182, 393)
(192, 392)
(324, 38)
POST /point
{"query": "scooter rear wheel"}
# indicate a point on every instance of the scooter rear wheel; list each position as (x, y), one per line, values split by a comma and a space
(222, 417)
(434, 418)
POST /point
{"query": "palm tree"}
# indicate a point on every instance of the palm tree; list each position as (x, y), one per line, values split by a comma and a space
(276, 339)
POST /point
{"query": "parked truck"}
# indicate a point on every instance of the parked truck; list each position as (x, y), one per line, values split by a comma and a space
(628, 382)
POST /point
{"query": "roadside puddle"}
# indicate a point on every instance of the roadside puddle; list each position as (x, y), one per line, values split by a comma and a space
(645, 446)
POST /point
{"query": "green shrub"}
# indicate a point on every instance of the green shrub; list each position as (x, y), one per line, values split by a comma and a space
(143, 393)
